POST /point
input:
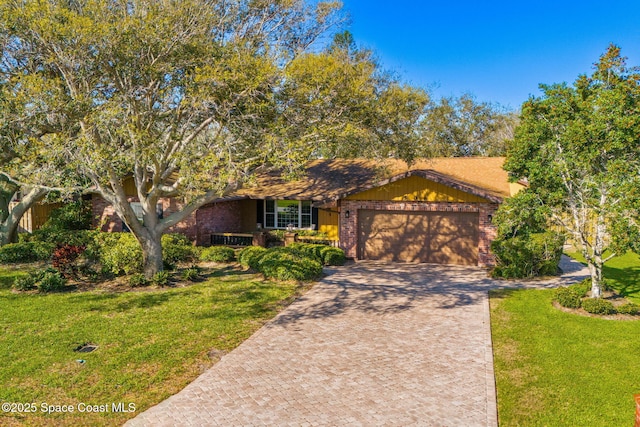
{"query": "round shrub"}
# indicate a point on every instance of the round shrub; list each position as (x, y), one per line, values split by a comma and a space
(333, 256)
(567, 297)
(137, 280)
(598, 306)
(249, 257)
(629, 308)
(288, 264)
(217, 254)
(24, 283)
(582, 288)
(327, 255)
(15, 253)
(119, 253)
(176, 248)
(310, 250)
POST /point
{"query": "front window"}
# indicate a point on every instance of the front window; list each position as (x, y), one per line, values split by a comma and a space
(287, 213)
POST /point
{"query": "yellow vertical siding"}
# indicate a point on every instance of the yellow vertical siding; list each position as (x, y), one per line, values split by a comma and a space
(329, 223)
(248, 215)
(130, 187)
(416, 188)
(37, 215)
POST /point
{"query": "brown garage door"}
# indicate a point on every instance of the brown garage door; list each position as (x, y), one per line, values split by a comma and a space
(434, 237)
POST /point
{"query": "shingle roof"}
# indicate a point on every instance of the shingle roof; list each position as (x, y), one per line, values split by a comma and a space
(329, 180)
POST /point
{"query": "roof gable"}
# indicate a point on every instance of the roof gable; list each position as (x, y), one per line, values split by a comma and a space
(331, 180)
(419, 186)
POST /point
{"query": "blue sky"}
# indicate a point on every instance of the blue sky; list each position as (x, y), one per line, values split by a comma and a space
(497, 50)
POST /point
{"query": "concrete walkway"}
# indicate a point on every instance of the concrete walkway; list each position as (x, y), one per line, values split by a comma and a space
(371, 344)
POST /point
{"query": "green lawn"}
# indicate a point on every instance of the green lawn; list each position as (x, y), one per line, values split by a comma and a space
(151, 343)
(623, 272)
(559, 369)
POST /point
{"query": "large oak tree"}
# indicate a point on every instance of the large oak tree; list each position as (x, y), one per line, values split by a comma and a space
(579, 149)
(190, 98)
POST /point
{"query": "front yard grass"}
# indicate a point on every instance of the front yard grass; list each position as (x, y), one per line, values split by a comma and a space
(560, 369)
(623, 273)
(151, 343)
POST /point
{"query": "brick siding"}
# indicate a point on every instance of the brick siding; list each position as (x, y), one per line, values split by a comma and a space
(222, 217)
(105, 216)
(349, 226)
(226, 217)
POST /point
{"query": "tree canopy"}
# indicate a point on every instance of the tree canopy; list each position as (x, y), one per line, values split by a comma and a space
(190, 98)
(463, 126)
(578, 148)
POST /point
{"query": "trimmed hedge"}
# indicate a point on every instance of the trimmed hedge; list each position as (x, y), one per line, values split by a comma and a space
(62, 237)
(119, 253)
(217, 254)
(582, 288)
(568, 297)
(333, 256)
(301, 262)
(67, 225)
(177, 248)
(14, 253)
(629, 308)
(598, 306)
(249, 257)
(289, 264)
(327, 255)
(536, 254)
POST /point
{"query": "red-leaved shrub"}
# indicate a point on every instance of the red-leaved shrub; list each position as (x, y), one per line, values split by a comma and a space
(64, 258)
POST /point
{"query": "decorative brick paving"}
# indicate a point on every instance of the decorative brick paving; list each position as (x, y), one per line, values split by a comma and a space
(372, 344)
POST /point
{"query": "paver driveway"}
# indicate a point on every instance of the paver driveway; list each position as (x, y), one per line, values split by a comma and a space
(371, 344)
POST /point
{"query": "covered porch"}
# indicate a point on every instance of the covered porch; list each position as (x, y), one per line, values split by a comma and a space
(246, 222)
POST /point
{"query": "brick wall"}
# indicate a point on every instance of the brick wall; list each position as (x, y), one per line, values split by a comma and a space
(105, 216)
(349, 226)
(222, 217)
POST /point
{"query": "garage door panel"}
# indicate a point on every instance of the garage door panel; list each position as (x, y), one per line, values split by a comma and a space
(434, 237)
(453, 250)
(452, 224)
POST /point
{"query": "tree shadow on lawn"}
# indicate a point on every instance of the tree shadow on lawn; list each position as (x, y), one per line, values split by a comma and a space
(108, 302)
(6, 282)
(628, 279)
(9, 275)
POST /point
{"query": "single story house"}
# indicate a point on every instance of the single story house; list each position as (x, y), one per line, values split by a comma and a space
(435, 210)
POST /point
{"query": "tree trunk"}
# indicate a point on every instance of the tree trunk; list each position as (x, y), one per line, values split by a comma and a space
(598, 250)
(9, 225)
(151, 254)
(596, 278)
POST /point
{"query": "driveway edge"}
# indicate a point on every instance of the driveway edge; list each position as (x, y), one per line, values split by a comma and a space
(492, 398)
